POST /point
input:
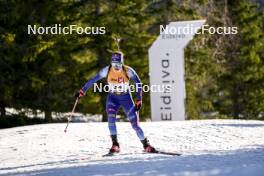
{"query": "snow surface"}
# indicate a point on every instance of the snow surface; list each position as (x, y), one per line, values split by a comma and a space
(209, 147)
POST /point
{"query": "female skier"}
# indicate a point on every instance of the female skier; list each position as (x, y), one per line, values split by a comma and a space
(118, 76)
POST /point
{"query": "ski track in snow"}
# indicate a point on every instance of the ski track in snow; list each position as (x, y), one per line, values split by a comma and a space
(209, 147)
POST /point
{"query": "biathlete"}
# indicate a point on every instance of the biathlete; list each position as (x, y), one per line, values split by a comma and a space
(118, 76)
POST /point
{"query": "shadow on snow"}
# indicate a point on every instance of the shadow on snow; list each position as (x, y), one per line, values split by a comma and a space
(239, 162)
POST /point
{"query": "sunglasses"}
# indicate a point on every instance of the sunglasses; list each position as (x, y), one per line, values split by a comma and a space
(116, 65)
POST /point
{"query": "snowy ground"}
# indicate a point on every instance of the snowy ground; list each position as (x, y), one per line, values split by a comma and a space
(211, 147)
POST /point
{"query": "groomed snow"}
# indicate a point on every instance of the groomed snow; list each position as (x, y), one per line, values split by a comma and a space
(209, 147)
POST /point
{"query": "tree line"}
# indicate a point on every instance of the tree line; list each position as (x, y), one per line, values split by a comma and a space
(224, 73)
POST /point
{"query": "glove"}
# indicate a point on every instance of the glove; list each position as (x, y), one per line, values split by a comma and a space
(138, 105)
(79, 94)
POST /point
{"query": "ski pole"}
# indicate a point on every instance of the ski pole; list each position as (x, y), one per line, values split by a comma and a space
(69, 118)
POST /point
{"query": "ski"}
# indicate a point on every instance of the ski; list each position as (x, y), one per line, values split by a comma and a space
(164, 153)
(168, 153)
(108, 154)
(156, 152)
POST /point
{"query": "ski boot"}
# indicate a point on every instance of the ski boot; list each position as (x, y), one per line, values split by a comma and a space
(147, 147)
(115, 146)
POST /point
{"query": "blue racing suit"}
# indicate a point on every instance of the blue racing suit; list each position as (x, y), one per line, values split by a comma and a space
(116, 100)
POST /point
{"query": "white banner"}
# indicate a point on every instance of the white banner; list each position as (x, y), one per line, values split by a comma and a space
(166, 64)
